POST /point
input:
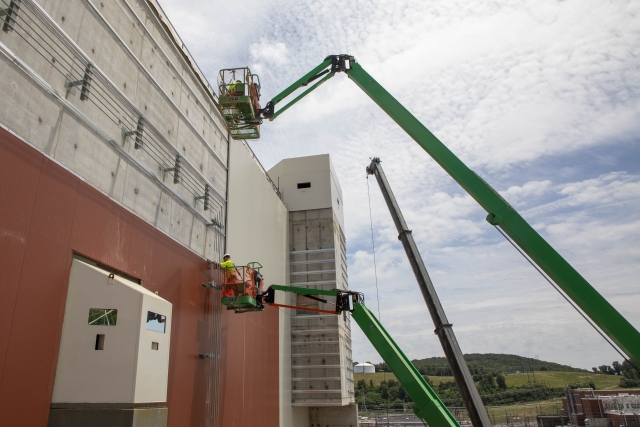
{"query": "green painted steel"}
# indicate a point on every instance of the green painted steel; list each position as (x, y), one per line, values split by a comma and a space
(429, 407)
(505, 216)
(299, 97)
(301, 81)
(304, 291)
(239, 302)
(500, 213)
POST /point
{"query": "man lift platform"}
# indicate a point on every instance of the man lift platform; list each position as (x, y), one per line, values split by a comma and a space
(242, 288)
(239, 98)
(428, 405)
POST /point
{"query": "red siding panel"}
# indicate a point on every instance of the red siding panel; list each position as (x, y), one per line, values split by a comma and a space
(46, 214)
(19, 177)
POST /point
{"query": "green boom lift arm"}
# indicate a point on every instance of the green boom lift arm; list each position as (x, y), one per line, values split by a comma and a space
(429, 407)
(500, 213)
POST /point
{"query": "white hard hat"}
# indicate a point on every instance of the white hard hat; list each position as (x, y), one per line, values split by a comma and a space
(226, 255)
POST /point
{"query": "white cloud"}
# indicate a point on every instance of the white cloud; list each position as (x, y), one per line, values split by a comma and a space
(266, 53)
(541, 97)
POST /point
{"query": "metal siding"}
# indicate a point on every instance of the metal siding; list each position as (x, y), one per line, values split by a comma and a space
(39, 307)
(54, 213)
(19, 176)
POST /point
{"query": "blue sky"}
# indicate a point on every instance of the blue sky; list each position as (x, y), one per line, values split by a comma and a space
(540, 98)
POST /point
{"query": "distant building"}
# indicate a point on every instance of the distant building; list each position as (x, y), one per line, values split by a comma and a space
(602, 408)
(364, 368)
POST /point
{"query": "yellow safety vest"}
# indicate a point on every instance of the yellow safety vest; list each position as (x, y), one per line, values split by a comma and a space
(227, 265)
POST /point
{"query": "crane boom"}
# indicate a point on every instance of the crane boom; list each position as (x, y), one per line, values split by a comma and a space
(472, 400)
(500, 213)
(428, 405)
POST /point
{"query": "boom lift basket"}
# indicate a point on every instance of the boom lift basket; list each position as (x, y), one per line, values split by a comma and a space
(241, 287)
(239, 98)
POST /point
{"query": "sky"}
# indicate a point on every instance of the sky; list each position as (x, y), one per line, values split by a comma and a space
(540, 98)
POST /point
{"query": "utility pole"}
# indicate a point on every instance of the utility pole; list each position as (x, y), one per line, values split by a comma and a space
(444, 330)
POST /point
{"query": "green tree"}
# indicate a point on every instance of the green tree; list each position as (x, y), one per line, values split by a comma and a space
(630, 377)
(502, 382)
(617, 367)
(373, 399)
(384, 391)
(595, 370)
(402, 394)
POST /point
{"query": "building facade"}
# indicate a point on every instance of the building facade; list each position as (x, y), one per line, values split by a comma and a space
(120, 191)
(321, 354)
(602, 408)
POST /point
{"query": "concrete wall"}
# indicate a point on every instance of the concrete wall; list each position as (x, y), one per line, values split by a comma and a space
(257, 231)
(127, 369)
(325, 190)
(137, 72)
(46, 215)
(322, 373)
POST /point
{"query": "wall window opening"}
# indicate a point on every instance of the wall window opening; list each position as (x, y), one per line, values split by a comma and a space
(154, 346)
(304, 185)
(156, 322)
(103, 316)
(100, 342)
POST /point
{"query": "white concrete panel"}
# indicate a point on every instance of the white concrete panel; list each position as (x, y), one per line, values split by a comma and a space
(180, 224)
(152, 374)
(127, 369)
(324, 192)
(257, 231)
(198, 237)
(141, 195)
(68, 15)
(163, 218)
(86, 375)
(84, 152)
(25, 109)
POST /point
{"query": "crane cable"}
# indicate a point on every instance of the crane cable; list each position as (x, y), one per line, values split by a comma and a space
(584, 316)
(373, 246)
(375, 272)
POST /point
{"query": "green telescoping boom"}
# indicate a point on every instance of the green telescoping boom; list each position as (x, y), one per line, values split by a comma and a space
(428, 405)
(500, 213)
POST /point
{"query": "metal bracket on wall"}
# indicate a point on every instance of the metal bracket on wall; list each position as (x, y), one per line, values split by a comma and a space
(212, 285)
(138, 133)
(209, 356)
(175, 169)
(215, 223)
(84, 82)
(205, 197)
(10, 13)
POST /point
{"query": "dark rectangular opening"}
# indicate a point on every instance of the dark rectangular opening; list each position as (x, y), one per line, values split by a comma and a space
(154, 345)
(100, 342)
(304, 185)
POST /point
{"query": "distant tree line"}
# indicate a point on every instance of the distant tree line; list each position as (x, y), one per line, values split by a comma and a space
(630, 377)
(485, 363)
(492, 386)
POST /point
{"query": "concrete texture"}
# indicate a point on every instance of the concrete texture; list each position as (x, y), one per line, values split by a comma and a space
(324, 192)
(138, 70)
(344, 416)
(322, 372)
(109, 417)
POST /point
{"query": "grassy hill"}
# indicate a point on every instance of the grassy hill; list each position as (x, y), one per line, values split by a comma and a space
(505, 363)
(549, 379)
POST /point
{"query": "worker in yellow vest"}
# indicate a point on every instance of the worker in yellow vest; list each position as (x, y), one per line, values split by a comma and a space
(230, 275)
(226, 263)
(233, 88)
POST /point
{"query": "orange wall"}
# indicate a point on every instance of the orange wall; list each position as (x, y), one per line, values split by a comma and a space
(46, 214)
